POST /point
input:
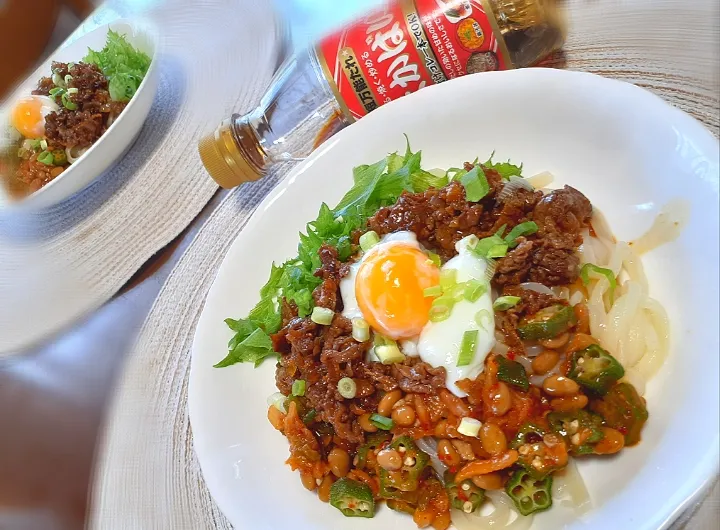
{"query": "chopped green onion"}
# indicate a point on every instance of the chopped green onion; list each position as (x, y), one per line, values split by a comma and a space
(389, 353)
(361, 329)
(298, 387)
(433, 291)
(475, 184)
(381, 340)
(68, 78)
(347, 388)
(322, 315)
(523, 229)
(609, 275)
(55, 91)
(471, 241)
(435, 259)
(70, 66)
(23, 153)
(34, 144)
(67, 103)
(381, 422)
(503, 303)
(440, 309)
(448, 278)
(501, 230)
(491, 247)
(58, 80)
(43, 144)
(469, 427)
(457, 292)
(467, 347)
(46, 158)
(277, 400)
(309, 417)
(368, 240)
(474, 289)
(483, 318)
(497, 251)
(72, 90)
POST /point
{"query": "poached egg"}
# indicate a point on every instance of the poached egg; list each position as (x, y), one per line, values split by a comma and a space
(386, 287)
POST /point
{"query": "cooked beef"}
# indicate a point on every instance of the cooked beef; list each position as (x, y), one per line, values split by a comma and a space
(530, 303)
(549, 257)
(563, 211)
(417, 377)
(82, 126)
(439, 217)
(72, 128)
(331, 271)
(514, 267)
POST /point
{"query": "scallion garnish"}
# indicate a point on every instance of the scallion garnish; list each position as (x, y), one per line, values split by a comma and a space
(72, 90)
(381, 422)
(607, 273)
(523, 229)
(457, 292)
(298, 387)
(368, 240)
(467, 347)
(483, 318)
(448, 279)
(322, 315)
(435, 259)
(309, 417)
(440, 309)
(347, 388)
(433, 291)
(68, 78)
(46, 157)
(43, 144)
(491, 247)
(503, 303)
(474, 289)
(361, 329)
(67, 103)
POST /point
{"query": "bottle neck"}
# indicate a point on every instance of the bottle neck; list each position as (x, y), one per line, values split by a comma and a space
(248, 131)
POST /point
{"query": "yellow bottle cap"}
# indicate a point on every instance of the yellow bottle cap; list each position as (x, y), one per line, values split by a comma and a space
(227, 160)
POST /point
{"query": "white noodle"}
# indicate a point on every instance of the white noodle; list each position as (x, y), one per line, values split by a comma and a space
(635, 327)
(498, 513)
(73, 153)
(569, 489)
(667, 226)
(577, 298)
(541, 180)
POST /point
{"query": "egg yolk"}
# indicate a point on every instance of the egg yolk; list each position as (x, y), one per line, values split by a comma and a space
(28, 119)
(389, 289)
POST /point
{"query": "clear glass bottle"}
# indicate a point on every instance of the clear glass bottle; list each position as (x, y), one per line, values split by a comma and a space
(305, 103)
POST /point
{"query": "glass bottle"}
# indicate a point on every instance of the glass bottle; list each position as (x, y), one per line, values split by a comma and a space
(390, 53)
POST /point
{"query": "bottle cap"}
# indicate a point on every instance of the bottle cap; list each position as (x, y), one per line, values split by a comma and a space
(227, 160)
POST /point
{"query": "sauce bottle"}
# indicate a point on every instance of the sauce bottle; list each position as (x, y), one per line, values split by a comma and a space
(407, 45)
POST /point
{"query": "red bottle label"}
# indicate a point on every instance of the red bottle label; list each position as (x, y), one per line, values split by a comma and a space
(407, 46)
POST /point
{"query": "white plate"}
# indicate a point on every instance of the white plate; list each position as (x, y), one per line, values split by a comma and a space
(120, 135)
(627, 150)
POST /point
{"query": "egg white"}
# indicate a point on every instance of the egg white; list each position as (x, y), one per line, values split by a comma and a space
(439, 343)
